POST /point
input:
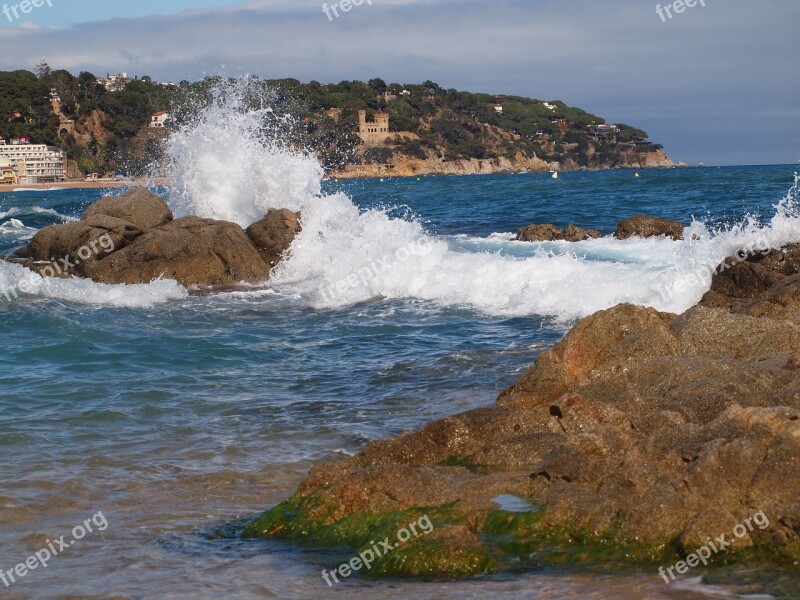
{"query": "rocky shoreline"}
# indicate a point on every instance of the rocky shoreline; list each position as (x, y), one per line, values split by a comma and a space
(410, 167)
(637, 439)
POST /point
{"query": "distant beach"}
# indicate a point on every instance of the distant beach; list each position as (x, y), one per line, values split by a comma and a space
(84, 185)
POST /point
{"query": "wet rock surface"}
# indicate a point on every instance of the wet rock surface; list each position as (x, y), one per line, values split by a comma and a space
(133, 238)
(273, 234)
(645, 227)
(637, 437)
(550, 233)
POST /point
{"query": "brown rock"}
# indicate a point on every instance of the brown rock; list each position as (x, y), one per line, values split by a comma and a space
(644, 226)
(758, 284)
(140, 207)
(273, 234)
(539, 233)
(74, 247)
(134, 239)
(550, 233)
(191, 250)
(640, 426)
(572, 233)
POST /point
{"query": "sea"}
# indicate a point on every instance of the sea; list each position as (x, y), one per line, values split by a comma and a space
(164, 419)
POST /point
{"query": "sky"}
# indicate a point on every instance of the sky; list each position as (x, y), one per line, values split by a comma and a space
(718, 84)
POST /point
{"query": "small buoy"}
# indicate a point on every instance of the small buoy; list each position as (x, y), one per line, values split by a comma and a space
(637, 175)
(337, 181)
(555, 175)
(381, 180)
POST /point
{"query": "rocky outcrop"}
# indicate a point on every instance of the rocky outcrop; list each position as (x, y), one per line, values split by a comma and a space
(644, 226)
(551, 233)
(639, 436)
(133, 239)
(750, 284)
(190, 250)
(402, 166)
(410, 167)
(273, 234)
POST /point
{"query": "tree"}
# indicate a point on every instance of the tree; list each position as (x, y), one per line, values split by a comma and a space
(379, 85)
(42, 70)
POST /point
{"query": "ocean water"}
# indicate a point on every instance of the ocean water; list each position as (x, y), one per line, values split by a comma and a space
(179, 416)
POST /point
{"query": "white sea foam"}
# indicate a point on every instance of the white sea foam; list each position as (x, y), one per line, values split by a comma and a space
(17, 230)
(226, 167)
(19, 284)
(11, 211)
(49, 211)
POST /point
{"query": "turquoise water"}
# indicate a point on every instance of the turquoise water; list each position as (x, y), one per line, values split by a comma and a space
(181, 416)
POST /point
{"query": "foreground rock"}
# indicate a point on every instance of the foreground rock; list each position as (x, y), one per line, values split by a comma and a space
(636, 438)
(551, 233)
(133, 239)
(645, 227)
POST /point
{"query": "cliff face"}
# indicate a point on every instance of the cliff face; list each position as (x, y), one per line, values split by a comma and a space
(410, 167)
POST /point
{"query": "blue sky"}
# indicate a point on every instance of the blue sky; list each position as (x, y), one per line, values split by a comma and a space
(718, 84)
(65, 13)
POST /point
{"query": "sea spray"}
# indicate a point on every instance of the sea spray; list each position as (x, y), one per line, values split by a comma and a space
(230, 162)
(228, 165)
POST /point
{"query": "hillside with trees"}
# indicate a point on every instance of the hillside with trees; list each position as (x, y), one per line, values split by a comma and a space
(111, 130)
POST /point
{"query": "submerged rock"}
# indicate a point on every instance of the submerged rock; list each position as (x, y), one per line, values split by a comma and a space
(636, 438)
(551, 233)
(133, 239)
(645, 227)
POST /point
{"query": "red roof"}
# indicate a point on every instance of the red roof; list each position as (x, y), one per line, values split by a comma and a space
(160, 113)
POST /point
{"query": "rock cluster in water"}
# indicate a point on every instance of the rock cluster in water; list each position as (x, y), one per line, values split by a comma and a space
(638, 437)
(134, 238)
(637, 226)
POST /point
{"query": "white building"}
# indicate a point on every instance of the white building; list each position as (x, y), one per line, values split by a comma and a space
(549, 106)
(32, 163)
(159, 119)
(114, 83)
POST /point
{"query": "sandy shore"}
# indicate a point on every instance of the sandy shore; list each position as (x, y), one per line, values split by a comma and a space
(88, 185)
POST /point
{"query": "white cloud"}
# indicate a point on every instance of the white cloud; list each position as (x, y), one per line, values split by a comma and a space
(728, 65)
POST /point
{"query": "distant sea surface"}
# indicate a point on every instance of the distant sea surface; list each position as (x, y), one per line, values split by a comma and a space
(182, 416)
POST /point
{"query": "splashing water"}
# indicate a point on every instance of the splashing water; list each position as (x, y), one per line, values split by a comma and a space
(229, 163)
(227, 166)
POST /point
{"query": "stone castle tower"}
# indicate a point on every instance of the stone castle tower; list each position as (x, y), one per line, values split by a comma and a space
(373, 131)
